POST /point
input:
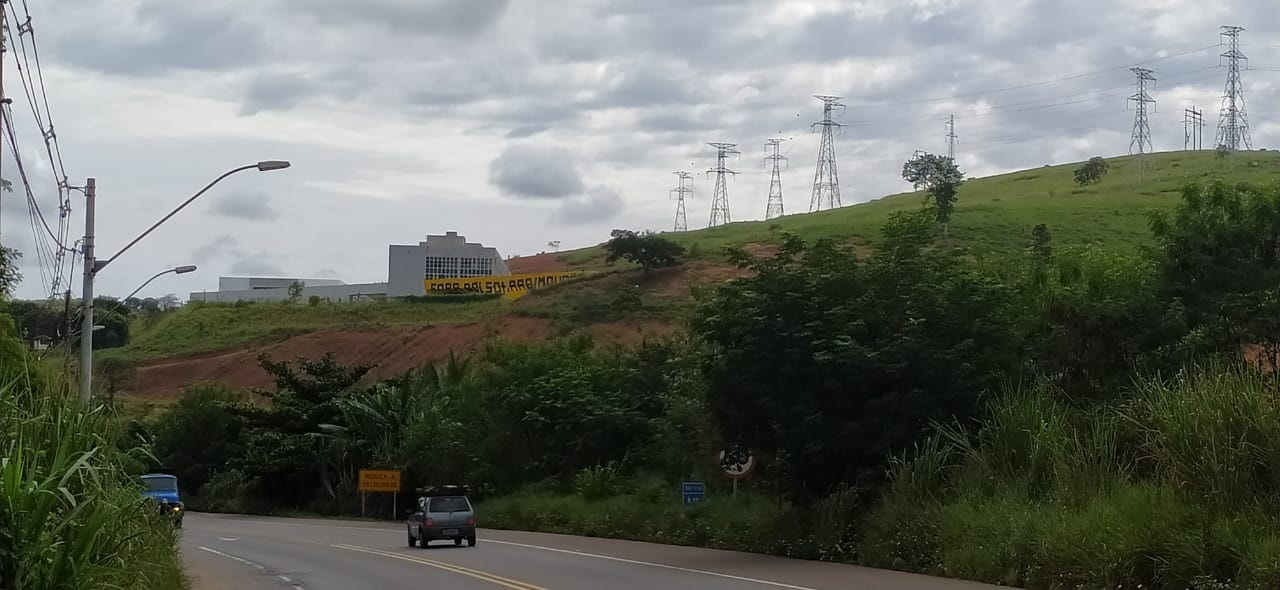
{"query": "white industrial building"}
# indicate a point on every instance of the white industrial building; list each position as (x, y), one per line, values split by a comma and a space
(438, 257)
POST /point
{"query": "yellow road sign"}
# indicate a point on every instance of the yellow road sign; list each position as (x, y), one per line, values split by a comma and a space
(376, 480)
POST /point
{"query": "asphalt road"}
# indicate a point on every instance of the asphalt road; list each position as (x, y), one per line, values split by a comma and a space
(249, 553)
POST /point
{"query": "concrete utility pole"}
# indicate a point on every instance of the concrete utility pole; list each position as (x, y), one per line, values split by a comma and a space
(90, 269)
(4, 47)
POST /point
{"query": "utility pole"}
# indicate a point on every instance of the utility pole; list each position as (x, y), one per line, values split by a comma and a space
(720, 198)
(951, 138)
(86, 295)
(1192, 129)
(1140, 139)
(682, 222)
(4, 100)
(774, 206)
(826, 181)
(1233, 122)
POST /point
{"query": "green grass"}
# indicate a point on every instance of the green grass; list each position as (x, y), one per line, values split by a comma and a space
(994, 215)
(209, 327)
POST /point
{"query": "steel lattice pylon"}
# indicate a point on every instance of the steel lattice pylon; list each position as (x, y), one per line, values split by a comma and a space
(720, 198)
(1233, 121)
(774, 207)
(826, 181)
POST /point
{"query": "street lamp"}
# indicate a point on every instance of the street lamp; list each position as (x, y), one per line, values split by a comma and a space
(92, 265)
(178, 270)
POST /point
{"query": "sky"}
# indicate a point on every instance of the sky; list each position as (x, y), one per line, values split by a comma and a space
(521, 122)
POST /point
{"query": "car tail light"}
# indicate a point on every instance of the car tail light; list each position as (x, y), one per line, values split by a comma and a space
(428, 523)
(471, 521)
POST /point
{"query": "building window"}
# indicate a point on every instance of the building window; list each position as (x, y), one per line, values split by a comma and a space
(450, 267)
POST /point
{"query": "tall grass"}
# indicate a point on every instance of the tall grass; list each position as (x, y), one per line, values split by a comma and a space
(1176, 487)
(70, 515)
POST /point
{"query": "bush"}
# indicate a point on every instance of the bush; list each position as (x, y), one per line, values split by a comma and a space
(1171, 489)
(599, 482)
(70, 514)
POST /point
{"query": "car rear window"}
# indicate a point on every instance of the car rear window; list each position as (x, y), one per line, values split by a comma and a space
(454, 504)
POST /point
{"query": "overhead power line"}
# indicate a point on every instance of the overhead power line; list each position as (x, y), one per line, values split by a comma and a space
(899, 103)
(31, 74)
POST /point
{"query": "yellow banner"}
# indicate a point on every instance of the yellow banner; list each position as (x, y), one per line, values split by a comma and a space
(510, 286)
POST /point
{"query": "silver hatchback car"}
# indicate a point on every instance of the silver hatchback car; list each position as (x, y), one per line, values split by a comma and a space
(443, 517)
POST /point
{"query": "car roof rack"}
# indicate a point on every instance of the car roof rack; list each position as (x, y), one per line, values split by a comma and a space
(444, 490)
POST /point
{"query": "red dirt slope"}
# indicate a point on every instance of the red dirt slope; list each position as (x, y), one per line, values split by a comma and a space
(544, 262)
(396, 350)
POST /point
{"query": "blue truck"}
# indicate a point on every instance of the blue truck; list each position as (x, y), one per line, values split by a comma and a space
(163, 489)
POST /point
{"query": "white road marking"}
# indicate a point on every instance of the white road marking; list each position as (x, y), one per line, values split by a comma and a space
(579, 554)
(259, 567)
(657, 565)
(228, 539)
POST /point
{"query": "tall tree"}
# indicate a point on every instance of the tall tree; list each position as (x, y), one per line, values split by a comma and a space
(827, 364)
(10, 274)
(649, 250)
(940, 177)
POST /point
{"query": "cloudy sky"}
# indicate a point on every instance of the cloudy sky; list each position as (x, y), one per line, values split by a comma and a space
(518, 122)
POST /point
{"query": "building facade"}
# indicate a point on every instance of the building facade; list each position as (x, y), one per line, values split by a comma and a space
(448, 256)
(444, 256)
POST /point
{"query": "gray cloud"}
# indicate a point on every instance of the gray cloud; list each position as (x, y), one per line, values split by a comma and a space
(277, 91)
(252, 205)
(259, 265)
(535, 172)
(526, 131)
(222, 245)
(156, 36)
(436, 17)
(599, 204)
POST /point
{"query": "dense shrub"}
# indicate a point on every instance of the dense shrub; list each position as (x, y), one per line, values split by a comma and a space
(1170, 489)
(70, 514)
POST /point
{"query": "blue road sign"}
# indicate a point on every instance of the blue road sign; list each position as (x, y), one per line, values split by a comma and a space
(693, 492)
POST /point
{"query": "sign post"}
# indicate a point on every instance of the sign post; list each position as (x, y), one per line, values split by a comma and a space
(378, 480)
(737, 463)
(693, 492)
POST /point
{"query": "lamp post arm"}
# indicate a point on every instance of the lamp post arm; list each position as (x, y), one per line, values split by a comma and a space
(148, 282)
(101, 263)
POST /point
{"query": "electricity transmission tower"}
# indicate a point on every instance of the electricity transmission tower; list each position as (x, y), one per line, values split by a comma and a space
(1192, 129)
(720, 198)
(682, 224)
(826, 181)
(774, 207)
(951, 138)
(1141, 137)
(1233, 123)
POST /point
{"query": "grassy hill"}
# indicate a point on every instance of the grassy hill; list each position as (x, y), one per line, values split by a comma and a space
(993, 217)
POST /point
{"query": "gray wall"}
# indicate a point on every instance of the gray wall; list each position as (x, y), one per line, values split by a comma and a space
(247, 283)
(335, 293)
(407, 265)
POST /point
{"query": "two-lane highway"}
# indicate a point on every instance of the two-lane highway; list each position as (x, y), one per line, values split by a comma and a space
(234, 553)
